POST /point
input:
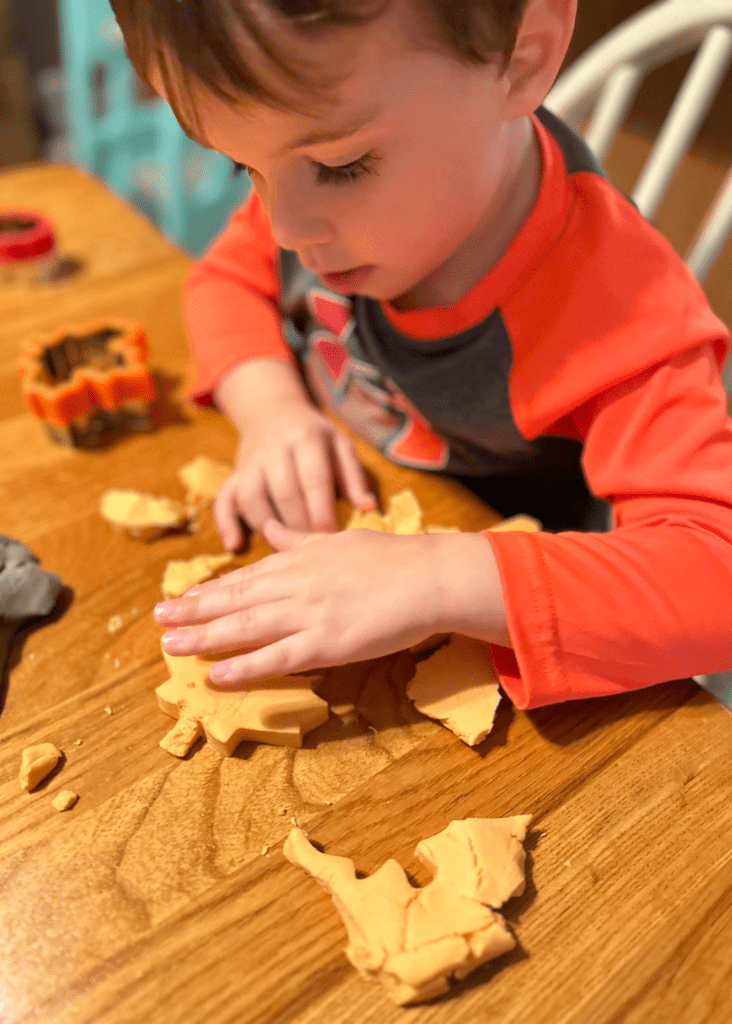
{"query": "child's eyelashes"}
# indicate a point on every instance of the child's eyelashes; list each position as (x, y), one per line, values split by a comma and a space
(326, 174)
(347, 172)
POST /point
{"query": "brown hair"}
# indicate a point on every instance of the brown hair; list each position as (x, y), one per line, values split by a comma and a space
(196, 41)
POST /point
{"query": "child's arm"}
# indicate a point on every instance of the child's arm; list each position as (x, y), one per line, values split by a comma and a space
(596, 614)
(290, 454)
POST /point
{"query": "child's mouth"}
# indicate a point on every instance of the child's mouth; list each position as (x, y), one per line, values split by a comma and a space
(347, 280)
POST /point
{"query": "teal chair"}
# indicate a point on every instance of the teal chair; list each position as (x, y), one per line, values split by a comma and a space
(134, 143)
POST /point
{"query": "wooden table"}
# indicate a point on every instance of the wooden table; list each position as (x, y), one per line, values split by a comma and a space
(151, 900)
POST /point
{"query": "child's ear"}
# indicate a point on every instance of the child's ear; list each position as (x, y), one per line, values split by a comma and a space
(541, 43)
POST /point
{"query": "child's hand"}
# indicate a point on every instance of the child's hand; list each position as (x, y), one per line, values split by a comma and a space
(288, 463)
(331, 599)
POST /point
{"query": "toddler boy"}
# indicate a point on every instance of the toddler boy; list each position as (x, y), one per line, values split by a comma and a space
(444, 263)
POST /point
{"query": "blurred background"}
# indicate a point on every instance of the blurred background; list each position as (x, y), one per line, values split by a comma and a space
(187, 191)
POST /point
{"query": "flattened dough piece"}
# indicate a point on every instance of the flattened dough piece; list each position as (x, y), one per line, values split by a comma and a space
(458, 686)
(142, 515)
(202, 478)
(36, 763)
(181, 574)
(278, 710)
(413, 940)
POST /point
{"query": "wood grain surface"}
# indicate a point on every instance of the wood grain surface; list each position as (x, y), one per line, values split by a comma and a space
(151, 900)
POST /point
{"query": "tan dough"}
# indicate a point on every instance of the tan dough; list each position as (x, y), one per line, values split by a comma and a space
(527, 524)
(64, 800)
(142, 515)
(36, 763)
(182, 736)
(413, 940)
(458, 685)
(278, 710)
(202, 477)
(180, 575)
(403, 515)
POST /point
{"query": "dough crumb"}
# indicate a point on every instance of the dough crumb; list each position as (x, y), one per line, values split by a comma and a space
(265, 851)
(283, 811)
(32, 656)
(108, 711)
(64, 800)
(36, 763)
(77, 743)
(182, 736)
(115, 623)
(117, 663)
(293, 820)
(329, 803)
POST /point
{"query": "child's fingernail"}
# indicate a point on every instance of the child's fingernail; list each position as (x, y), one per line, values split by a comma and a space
(163, 611)
(219, 674)
(172, 641)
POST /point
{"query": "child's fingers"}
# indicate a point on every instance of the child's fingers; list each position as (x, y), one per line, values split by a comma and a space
(351, 475)
(251, 627)
(283, 657)
(315, 475)
(226, 517)
(285, 493)
(251, 499)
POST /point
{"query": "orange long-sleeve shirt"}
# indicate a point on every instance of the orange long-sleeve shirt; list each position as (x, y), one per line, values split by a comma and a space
(590, 337)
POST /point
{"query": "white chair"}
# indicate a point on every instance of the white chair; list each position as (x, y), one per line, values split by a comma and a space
(599, 89)
(604, 82)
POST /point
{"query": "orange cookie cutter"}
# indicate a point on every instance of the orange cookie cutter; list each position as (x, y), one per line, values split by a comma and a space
(84, 379)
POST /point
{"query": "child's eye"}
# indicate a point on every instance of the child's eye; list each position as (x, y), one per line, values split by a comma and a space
(347, 172)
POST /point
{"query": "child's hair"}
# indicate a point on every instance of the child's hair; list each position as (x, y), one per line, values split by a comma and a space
(191, 41)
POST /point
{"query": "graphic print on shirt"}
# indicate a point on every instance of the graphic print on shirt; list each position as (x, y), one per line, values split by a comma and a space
(359, 393)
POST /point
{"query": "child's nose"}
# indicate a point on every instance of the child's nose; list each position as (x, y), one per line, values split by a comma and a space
(295, 224)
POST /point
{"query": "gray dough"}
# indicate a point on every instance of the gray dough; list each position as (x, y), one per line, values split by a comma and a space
(25, 589)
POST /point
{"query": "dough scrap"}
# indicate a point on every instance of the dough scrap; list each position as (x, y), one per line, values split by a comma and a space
(458, 685)
(403, 515)
(180, 575)
(277, 710)
(142, 515)
(36, 763)
(182, 736)
(202, 477)
(64, 800)
(527, 524)
(413, 940)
